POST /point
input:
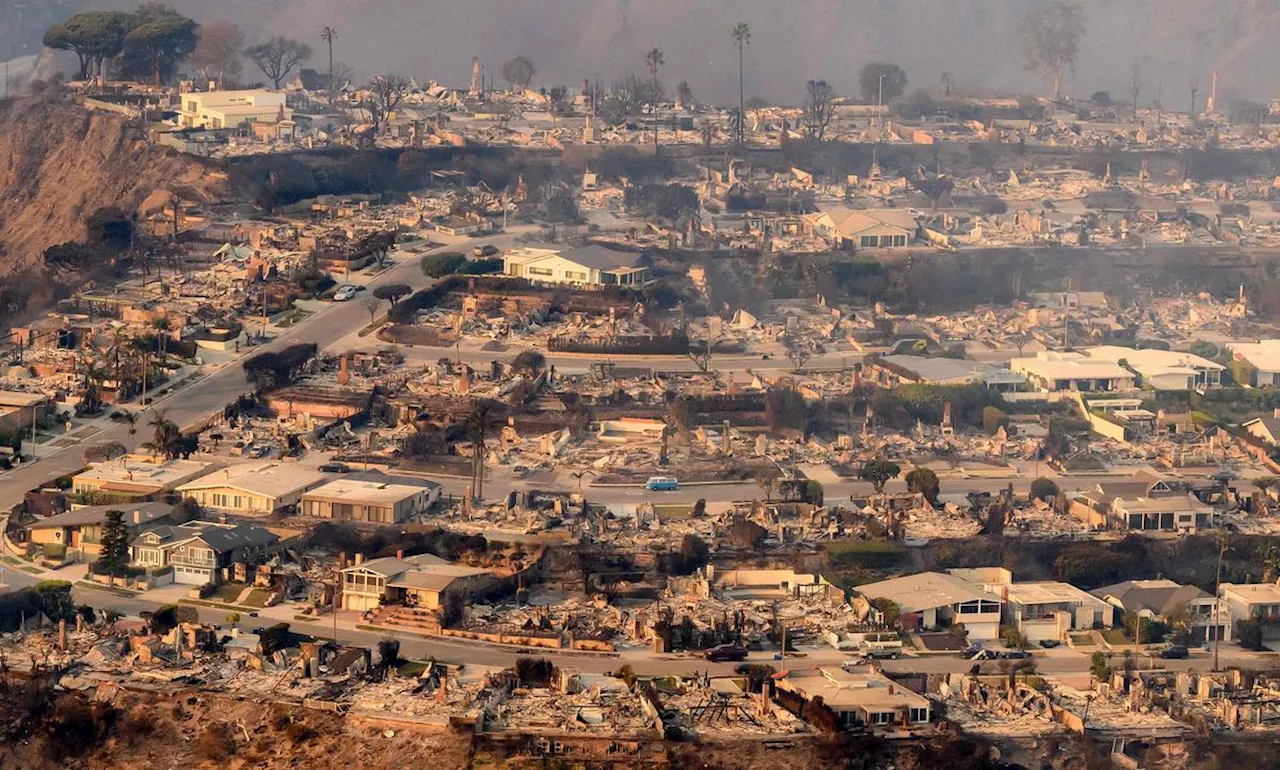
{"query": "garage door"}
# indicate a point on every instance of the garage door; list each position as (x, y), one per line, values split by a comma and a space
(190, 576)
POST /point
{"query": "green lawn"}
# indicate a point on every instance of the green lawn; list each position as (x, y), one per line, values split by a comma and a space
(1116, 636)
(227, 593)
(1082, 640)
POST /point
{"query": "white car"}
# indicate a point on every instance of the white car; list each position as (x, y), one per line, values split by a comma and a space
(345, 293)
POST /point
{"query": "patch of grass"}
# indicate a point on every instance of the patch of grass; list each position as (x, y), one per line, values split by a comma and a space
(216, 605)
(1115, 636)
(412, 668)
(868, 554)
(106, 589)
(1082, 640)
(228, 592)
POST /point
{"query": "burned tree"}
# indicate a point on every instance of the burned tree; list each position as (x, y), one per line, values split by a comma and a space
(1050, 38)
(818, 108)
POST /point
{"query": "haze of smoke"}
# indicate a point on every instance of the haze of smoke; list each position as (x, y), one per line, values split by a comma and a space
(976, 40)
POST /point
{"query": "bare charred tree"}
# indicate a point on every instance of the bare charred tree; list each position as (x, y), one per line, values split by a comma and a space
(217, 54)
(388, 92)
(1050, 36)
(1135, 84)
(278, 57)
(519, 72)
(818, 108)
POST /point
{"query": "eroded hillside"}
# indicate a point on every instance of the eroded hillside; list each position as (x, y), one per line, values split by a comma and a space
(59, 163)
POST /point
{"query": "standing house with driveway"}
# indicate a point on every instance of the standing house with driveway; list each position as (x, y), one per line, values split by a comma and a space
(1162, 599)
(1041, 609)
(253, 489)
(1263, 356)
(1254, 601)
(932, 600)
(81, 528)
(592, 266)
(414, 581)
(200, 552)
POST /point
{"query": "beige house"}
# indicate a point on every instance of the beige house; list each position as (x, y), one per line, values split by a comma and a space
(82, 528)
(232, 109)
(592, 266)
(253, 489)
(136, 475)
(415, 581)
(865, 229)
(370, 497)
(860, 699)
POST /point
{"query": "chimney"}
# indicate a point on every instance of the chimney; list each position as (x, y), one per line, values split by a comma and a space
(400, 554)
(343, 375)
(62, 635)
(891, 688)
(724, 440)
(359, 559)
(1276, 413)
(342, 559)
(136, 516)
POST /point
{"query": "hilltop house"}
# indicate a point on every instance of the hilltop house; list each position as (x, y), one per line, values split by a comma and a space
(232, 109)
(931, 600)
(591, 266)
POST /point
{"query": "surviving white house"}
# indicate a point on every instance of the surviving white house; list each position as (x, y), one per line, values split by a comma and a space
(865, 229)
(932, 600)
(1053, 371)
(1163, 369)
(232, 109)
(591, 265)
(1041, 609)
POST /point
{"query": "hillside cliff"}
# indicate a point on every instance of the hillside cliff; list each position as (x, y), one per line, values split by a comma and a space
(59, 163)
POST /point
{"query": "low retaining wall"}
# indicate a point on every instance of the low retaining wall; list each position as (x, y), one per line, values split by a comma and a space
(552, 642)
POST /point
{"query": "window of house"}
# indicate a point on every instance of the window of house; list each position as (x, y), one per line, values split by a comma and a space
(539, 271)
(868, 242)
(881, 717)
(919, 715)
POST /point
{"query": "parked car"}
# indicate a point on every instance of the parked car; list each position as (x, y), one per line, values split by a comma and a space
(344, 293)
(854, 663)
(984, 654)
(487, 250)
(726, 652)
(1049, 644)
(335, 468)
(1015, 654)
(1175, 652)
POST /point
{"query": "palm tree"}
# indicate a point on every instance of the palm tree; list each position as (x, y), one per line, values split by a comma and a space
(742, 36)
(482, 417)
(163, 326)
(328, 35)
(131, 419)
(654, 60)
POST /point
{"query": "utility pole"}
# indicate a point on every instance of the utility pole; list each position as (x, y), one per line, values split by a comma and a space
(880, 103)
(1217, 592)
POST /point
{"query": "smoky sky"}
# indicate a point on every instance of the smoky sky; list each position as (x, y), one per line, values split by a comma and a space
(1178, 41)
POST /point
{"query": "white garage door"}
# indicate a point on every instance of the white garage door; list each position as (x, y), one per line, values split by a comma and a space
(190, 576)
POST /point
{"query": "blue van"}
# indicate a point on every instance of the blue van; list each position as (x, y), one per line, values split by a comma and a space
(662, 484)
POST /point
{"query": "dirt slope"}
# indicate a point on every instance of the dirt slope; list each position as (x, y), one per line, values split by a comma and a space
(59, 163)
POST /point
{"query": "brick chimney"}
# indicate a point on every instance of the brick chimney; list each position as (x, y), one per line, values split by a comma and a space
(344, 376)
(400, 554)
